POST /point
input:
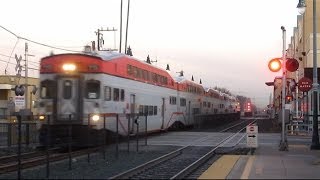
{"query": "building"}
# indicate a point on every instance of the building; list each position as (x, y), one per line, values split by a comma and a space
(9, 102)
(301, 48)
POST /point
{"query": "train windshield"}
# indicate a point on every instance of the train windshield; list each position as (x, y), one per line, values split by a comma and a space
(48, 89)
(92, 90)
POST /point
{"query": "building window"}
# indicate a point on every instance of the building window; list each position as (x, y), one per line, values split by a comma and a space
(3, 94)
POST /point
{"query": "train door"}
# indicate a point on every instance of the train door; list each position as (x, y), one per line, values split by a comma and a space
(162, 113)
(68, 101)
(132, 111)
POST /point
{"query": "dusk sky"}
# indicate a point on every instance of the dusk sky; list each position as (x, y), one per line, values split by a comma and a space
(224, 43)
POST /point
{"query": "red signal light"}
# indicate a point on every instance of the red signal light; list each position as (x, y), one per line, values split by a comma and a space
(292, 64)
(289, 98)
(274, 65)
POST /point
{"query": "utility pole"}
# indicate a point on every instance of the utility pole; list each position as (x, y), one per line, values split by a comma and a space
(120, 27)
(26, 76)
(125, 46)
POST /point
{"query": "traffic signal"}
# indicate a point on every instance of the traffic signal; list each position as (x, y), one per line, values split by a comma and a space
(274, 64)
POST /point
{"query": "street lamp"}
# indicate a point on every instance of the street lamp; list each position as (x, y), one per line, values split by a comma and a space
(315, 134)
(283, 143)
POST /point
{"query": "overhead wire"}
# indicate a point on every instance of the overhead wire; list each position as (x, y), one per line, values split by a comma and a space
(29, 40)
(5, 70)
(35, 42)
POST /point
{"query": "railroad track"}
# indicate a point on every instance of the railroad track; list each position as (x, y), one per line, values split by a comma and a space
(180, 163)
(32, 159)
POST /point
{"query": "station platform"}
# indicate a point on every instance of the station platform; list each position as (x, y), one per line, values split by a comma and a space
(267, 162)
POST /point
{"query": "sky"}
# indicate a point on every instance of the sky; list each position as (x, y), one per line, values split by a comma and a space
(224, 43)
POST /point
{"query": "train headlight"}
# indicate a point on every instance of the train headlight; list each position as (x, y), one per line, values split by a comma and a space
(95, 118)
(41, 118)
(69, 67)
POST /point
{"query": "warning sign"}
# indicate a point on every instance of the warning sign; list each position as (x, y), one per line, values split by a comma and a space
(252, 136)
(19, 102)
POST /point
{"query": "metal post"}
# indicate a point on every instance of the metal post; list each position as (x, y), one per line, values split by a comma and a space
(47, 147)
(104, 137)
(26, 76)
(137, 135)
(315, 134)
(9, 134)
(27, 133)
(117, 137)
(128, 136)
(88, 137)
(19, 145)
(146, 131)
(70, 141)
(283, 144)
(306, 117)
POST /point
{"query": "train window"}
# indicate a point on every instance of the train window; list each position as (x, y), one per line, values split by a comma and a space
(183, 102)
(140, 110)
(92, 90)
(150, 110)
(139, 73)
(135, 72)
(122, 95)
(67, 89)
(173, 100)
(107, 93)
(129, 70)
(155, 110)
(48, 89)
(146, 110)
(116, 94)
(144, 74)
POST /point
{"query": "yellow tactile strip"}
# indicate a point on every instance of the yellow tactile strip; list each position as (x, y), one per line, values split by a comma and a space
(221, 168)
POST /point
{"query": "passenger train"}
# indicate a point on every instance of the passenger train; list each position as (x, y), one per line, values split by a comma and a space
(80, 87)
(248, 109)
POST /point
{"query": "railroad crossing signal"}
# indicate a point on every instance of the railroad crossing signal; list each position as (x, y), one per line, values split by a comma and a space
(18, 66)
(19, 90)
(291, 64)
(274, 65)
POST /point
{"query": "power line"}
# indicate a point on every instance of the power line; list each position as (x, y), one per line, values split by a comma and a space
(35, 42)
(5, 70)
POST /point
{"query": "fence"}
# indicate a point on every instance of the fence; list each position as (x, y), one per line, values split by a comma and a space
(9, 133)
(72, 133)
